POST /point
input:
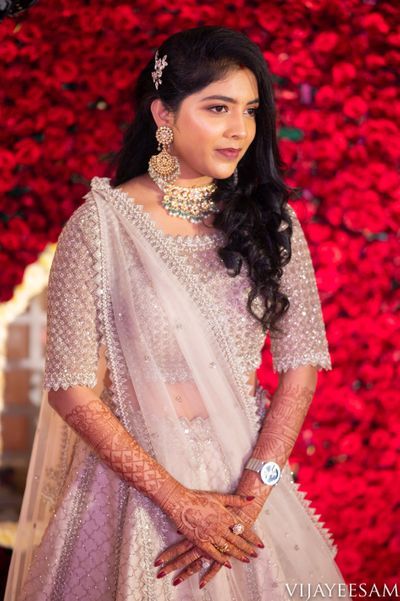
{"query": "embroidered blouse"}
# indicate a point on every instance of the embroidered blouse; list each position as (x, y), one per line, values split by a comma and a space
(74, 320)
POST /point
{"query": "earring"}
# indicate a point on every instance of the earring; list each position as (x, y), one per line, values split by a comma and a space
(164, 167)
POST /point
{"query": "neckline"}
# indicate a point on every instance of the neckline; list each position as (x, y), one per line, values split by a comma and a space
(131, 200)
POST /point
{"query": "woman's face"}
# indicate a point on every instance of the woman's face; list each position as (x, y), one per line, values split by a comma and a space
(203, 126)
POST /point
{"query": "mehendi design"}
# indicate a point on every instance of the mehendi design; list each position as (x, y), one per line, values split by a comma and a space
(100, 428)
(201, 517)
(283, 422)
(277, 437)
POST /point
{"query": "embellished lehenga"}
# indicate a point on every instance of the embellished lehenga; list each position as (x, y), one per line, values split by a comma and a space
(179, 343)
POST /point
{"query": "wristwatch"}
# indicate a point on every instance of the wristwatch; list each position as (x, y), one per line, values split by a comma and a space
(270, 472)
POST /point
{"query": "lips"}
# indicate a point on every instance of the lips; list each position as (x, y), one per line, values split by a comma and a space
(229, 153)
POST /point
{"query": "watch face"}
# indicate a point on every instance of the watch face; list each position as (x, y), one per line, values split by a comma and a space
(270, 473)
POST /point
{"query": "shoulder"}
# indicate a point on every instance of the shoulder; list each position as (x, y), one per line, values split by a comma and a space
(298, 236)
(82, 226)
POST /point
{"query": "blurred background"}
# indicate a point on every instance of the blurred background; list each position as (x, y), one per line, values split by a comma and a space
(67, 71)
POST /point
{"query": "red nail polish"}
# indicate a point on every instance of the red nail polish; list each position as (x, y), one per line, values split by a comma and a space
(177, 581)
(250, 498)
(254, 554)
(161, 574)
(246, 559)
(158, 562)
(260, 545)
(202, 584)
(228, 565)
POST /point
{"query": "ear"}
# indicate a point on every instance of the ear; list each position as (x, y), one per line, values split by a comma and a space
(161, 115)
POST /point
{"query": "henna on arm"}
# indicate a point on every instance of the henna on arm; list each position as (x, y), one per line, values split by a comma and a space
(102, 430)
(282, 424)
(200, 514)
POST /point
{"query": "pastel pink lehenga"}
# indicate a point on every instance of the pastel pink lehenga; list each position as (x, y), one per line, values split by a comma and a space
(178, 343)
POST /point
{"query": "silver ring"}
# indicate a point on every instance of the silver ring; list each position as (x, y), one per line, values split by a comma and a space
(237, 528)
(205, 563)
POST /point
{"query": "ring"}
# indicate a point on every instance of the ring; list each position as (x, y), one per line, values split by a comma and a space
(205, 563)
(222, 549)
(237, 528)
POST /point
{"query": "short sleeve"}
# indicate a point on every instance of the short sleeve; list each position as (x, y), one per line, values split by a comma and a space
(73, 336)
(303, 341)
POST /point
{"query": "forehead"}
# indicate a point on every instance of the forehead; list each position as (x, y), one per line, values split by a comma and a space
(239, 84)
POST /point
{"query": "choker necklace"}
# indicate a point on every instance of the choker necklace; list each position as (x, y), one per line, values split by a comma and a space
(191, 203)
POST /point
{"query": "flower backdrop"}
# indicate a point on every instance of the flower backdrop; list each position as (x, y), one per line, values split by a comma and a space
(67, 70)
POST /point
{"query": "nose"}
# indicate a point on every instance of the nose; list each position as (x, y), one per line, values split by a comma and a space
(236, 127)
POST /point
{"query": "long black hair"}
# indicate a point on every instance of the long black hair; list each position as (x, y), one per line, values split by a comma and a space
(254, 216)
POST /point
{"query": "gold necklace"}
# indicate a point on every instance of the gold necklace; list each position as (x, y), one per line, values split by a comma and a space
(193, 204)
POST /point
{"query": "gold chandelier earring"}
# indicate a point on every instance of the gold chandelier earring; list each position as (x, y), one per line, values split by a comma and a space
(164, 167)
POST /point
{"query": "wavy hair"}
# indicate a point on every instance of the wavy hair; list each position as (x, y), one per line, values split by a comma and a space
(253, 215)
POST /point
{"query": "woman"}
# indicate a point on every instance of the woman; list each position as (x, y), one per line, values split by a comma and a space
(155, 456)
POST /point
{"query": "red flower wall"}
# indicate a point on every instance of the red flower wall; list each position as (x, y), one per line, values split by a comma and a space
(67, 70)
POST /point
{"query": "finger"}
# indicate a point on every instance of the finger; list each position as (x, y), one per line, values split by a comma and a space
(240, 544)
(248, 533)
(214, 569)
(252, 538)
(211, 552)
(172, 552)
(193, 568)
(232, 549)
(234, 500)
(185, 560)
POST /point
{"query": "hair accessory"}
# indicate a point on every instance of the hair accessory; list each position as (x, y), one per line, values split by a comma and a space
(159, 65)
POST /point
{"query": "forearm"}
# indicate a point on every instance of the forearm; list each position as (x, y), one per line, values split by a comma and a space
(282, 424)
(93, 421)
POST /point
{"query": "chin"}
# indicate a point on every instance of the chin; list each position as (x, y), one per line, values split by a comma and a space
(223, 174)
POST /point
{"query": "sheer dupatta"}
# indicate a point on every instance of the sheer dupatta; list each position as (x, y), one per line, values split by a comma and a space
(138, 278)
(132, 273)
(137, 274)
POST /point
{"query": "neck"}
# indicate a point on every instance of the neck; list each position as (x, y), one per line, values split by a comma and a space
(192, 182)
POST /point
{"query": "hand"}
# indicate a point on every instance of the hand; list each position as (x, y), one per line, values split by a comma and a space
(203, 519)
(185, 553)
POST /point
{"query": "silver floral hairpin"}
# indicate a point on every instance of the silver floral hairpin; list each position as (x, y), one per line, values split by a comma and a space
(159, 64)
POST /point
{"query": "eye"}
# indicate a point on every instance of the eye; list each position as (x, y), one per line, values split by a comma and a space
(253, 111)
(218, 106)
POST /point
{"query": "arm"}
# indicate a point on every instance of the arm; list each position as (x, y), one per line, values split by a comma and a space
(100, 428)
(281, 426)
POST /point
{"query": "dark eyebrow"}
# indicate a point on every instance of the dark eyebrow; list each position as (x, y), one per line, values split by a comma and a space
(227, 99)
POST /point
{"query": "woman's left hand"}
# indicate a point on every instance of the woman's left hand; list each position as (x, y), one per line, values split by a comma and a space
(185, 554)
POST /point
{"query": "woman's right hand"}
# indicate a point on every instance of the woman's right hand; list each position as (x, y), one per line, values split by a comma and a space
(202, 517)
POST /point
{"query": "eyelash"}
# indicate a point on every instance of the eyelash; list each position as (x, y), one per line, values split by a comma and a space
(224, 106)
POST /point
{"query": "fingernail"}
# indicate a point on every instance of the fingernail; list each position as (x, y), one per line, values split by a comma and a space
(228, 565)
(159, 562)
(250, 498)
(202, 584)
(177, 581)
(260, 545)
(254, 554)
(161, 574)
(246, 559)
(179, 532)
